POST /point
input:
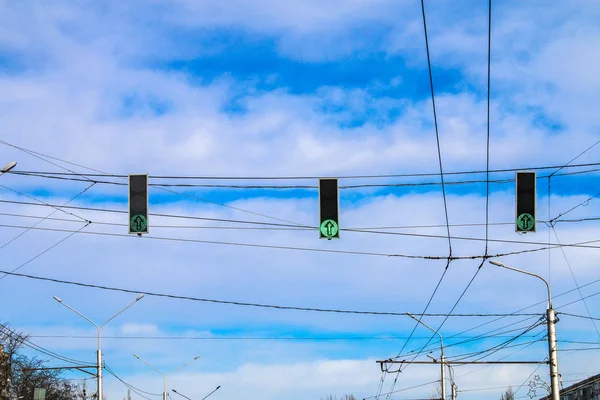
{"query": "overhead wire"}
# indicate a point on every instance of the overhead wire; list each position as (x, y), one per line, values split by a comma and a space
(46, 217)
(487, 169)
(129, 386)
(284, 226)
(441, 174)
(575, 281)
(310, 177)
(46, 250)
(36, 154)
(236, 303)
(587, 244)
(28, 343)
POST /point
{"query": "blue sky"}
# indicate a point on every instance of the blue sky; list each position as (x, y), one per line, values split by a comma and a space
(286, 89)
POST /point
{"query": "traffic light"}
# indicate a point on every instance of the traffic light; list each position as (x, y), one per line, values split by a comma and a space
(138, 203)
(329, 209)
(525, 209)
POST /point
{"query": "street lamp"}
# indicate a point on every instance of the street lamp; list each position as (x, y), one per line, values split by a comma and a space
(99, 329)
(8, 167)
(551, 322)
(443, 373)
(168, 373)
(175, 391)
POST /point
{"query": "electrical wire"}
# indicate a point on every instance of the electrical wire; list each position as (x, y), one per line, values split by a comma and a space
(487, 166)
(583, 203)
(46, 217)
(575, 281)
(45, 250)
(402, 390)
(580, 316)
(236, 303)
(441, 170)
(57, 208)
(308, 177)
(28, 343)
(164, 189)
(294, 228)
(361, 230)
(497, 332)
(487, 175)
(129, 386)
(587, 244)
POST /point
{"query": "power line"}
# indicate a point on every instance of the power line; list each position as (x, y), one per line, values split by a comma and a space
(311, 177)
(531, 306)
(44, 251)
(580, 316)
(487, 166)
(266, 338)
(238, 303)
(587, 244)
(310, 249)
(164, 189)
(129, 386)
(441, 170)
(46, 217)
(292, 228)
(5, 330)
(575, 281)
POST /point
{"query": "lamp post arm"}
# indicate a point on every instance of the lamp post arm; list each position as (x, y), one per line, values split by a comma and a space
(78, 313)
(430, 328)
(182, 395)
(499, 264)
(218, 387)
(150, 365)
(181, 366)
(113, 317)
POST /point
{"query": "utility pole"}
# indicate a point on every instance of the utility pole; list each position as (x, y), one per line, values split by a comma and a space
(551, 323)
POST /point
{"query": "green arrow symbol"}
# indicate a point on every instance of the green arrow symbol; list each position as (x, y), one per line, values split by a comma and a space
(329, 228)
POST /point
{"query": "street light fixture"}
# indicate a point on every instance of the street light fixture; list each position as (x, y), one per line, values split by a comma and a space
(182, 395)
(551, 322)
(218, 387)
(99, 329)
(443, 372)
(8, 167)
(165, 375)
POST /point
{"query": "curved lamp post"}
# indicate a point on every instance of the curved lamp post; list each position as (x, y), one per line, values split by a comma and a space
(551, 322)
(443, 373)
(167, 374)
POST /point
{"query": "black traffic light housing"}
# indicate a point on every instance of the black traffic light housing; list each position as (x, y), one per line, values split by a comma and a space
(526, 202)
(138, 203)
(329, 223)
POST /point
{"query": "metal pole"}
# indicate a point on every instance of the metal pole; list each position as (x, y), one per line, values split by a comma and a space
(554, 377)
(165, 387)
(453, 394)
(443, 378)
(99, 365)
(551, 322)
(443, 375)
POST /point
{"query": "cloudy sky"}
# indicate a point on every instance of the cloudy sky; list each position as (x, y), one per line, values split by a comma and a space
(236, 92)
